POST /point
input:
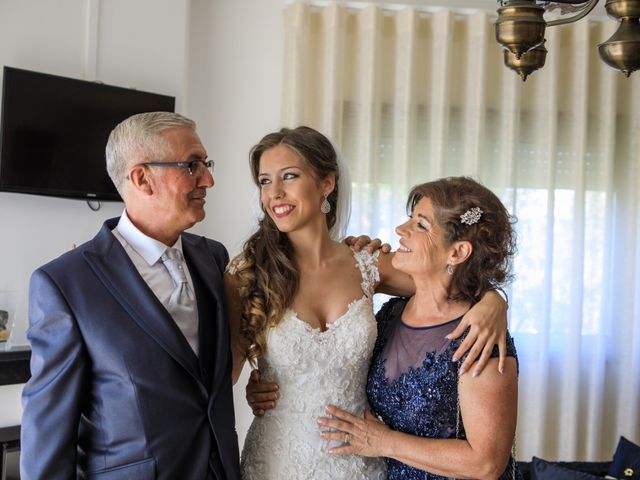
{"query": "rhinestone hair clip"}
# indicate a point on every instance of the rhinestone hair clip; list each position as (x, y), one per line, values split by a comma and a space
(471, 216)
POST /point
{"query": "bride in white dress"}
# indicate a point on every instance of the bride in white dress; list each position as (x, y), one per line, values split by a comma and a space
(314, 368)
(300, 307)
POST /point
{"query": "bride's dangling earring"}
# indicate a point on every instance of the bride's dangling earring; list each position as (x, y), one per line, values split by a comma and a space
(325, 206)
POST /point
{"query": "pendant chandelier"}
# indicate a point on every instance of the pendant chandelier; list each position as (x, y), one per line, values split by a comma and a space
(521, 25)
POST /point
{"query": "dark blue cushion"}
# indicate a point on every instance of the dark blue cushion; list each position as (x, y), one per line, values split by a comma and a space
(543, 470)
(626, 461)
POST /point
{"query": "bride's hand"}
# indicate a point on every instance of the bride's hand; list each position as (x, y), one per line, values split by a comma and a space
(488, 327)
(261, 396)
(364, 436)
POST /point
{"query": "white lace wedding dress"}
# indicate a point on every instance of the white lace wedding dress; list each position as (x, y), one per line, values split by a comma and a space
(314, 369)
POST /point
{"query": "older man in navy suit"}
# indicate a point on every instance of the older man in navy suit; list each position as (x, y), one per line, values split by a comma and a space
(131, 362)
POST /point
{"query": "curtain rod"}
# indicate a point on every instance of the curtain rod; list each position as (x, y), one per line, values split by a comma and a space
(461, 6)
(465, 7)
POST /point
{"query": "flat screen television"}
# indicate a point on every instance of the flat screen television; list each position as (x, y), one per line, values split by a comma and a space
(53, 132)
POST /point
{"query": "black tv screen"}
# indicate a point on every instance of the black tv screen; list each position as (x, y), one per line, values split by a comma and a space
(54, 130)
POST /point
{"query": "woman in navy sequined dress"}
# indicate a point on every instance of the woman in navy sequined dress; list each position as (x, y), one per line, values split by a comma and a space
(431, 420)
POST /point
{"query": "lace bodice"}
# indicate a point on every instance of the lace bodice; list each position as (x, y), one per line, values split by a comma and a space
(314, 369)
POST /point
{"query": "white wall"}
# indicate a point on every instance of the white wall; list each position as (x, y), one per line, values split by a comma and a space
(222, 60)
(235, 66)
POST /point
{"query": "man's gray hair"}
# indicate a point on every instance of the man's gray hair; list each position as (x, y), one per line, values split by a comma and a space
(137, 139)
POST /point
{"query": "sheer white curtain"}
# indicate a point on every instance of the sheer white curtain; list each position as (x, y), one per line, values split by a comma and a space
(412, 96)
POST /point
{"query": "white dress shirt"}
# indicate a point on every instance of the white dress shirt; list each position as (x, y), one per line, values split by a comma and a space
(145, 253)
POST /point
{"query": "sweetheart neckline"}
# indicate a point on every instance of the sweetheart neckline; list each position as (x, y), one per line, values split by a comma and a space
(331, 325)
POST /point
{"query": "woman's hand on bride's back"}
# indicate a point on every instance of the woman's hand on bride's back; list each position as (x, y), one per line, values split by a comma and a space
(364, 241)
(261, 396)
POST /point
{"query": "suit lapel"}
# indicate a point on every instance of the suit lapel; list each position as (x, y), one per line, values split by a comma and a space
(213, 329)
(110, 262)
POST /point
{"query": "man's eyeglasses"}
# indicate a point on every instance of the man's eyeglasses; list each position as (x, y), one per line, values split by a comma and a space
(193, 167)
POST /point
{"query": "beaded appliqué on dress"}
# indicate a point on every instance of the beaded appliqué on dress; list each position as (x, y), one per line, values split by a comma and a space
(314, 369)
(367, 263)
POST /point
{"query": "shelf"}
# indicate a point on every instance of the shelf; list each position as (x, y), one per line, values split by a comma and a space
(14, 366)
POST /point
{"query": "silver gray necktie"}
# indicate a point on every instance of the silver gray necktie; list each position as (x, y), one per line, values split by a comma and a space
(182, 304)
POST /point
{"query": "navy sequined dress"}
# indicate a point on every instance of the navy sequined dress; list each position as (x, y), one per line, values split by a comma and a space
(413, 383)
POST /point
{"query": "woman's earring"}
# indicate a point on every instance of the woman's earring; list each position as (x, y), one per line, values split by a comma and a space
(325, 206)
(449, 269)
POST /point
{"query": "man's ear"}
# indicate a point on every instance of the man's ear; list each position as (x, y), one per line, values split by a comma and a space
(459, 252)
(140, 180)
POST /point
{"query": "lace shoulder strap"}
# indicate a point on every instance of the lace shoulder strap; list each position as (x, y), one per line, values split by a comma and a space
(367, 263)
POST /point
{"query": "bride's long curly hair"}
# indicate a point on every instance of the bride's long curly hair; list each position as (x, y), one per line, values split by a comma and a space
(267, 274)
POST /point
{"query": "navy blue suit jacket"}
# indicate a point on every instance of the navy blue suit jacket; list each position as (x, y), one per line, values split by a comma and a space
(116, 392)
